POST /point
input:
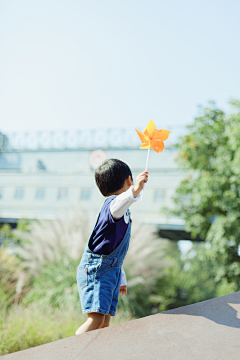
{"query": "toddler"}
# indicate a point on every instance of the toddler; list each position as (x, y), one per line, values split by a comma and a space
(100, 275)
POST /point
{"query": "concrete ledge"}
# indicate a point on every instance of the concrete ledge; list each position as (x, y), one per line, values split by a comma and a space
(202, 331)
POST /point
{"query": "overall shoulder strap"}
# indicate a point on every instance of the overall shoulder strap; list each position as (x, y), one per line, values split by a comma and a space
(97, 217)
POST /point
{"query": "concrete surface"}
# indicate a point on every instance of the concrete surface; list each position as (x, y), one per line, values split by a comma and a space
(206, 330)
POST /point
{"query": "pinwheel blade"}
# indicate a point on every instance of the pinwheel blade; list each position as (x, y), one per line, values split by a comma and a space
(161, 134)
(141, 136)
(150, 128)
(157, 146)
(146, 146)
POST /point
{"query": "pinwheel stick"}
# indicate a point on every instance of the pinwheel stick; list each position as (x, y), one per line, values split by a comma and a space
(145, 170)
(147, 160)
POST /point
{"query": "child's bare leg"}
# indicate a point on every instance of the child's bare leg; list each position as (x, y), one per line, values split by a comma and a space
(94, 321)
(106, 321)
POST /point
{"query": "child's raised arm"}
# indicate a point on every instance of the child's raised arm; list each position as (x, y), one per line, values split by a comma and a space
(122, 202)
(141, 179)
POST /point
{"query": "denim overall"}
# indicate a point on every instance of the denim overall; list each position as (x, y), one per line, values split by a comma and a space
(99, 277)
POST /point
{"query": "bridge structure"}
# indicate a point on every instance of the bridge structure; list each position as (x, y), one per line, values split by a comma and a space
(44, 174)
(77, 140)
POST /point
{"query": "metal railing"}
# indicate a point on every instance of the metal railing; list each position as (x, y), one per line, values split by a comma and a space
(84, 139)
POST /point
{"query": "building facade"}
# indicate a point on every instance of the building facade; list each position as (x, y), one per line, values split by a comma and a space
(44, 179)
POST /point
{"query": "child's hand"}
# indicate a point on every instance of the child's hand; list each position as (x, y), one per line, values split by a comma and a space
(123, 290)
(141, 179)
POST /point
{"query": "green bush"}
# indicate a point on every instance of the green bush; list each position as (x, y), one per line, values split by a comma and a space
(56, 284)
(14, 281)
(191, 279)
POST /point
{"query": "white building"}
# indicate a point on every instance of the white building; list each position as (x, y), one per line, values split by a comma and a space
(45, 174)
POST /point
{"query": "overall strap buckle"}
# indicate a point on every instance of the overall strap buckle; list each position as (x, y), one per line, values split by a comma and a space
(114, 262)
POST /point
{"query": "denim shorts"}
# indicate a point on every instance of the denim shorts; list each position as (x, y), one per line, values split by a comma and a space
(99, 283)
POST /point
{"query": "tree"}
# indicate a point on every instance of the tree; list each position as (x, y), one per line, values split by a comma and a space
(209, 198)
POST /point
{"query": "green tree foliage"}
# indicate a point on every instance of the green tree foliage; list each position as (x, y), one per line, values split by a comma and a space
(209, 198)
(190, 279)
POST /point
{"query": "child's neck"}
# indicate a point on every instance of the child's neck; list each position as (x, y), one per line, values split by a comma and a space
(123, 189)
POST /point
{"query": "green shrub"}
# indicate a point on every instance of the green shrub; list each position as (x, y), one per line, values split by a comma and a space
(14, 281)
(56, 285)
(189, 280)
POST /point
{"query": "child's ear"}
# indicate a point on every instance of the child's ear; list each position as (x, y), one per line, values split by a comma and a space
(129, 181)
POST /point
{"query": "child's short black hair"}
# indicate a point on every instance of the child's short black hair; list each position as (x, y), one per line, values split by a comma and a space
(111, 175)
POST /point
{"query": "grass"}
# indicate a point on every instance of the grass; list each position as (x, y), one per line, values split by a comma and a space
(25, 327)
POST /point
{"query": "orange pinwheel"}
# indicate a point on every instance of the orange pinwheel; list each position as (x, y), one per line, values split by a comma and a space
(152, 138)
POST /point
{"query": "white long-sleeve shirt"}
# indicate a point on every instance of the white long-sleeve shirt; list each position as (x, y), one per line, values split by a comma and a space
(123, 277)
(121, 203)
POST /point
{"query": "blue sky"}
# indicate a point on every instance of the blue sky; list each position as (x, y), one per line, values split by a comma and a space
(104, 63)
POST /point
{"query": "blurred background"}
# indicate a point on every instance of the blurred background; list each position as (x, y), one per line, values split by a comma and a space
(77, 78)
